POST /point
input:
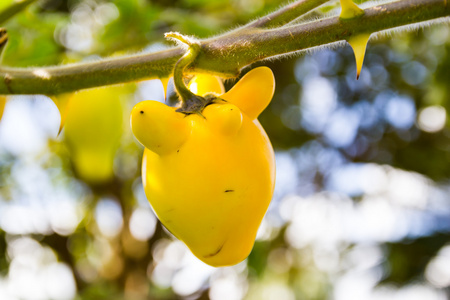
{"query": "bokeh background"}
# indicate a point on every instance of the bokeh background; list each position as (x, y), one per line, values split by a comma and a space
(362, 202)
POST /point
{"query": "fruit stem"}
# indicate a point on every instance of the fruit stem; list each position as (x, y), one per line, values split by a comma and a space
(190, 103)
(178, 73)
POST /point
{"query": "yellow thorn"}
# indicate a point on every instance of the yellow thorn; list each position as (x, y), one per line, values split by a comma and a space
(2, 105)
(62, 103)
(350, 10)
(359, 44)
(165, 82)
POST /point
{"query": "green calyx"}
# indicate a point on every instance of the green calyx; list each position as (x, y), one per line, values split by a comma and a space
(195, 104)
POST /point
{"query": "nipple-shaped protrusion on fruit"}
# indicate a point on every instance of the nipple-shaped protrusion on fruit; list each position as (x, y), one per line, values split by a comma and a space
(2, 105)
(165, 83)
(61, 101)
(203, 84)
(350, 10)
(253, 92)
(158, 127)
(359, 44)
(226, 118)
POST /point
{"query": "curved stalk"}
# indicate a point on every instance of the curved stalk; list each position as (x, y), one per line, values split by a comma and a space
(190, 103)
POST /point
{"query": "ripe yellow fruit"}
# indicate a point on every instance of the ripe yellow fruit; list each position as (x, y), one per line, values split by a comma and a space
(93, 129)
(203, 84)
(210, 180)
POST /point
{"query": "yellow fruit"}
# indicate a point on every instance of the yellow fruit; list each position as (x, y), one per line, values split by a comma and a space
(210, 180)
(93, 129)
(203, 84)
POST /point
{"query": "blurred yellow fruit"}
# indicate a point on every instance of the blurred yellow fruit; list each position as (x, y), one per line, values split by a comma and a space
(93, 129)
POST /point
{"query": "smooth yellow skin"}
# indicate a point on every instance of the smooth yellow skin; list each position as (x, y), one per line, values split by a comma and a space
(92, 131)
(203, 84)
(213, 182)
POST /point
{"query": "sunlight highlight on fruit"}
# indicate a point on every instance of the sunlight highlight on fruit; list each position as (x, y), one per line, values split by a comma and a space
(203, 84)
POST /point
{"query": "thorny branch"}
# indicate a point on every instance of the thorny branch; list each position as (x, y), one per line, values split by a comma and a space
(227, 54)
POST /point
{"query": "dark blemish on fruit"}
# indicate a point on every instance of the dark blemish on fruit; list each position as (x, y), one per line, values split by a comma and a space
(178, 150)
(228, 191)
(215, 253)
